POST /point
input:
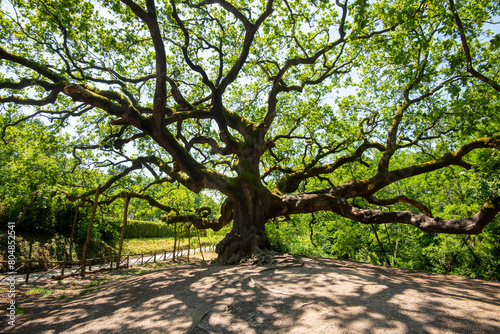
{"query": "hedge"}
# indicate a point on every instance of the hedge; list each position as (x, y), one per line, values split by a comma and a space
(149, 229)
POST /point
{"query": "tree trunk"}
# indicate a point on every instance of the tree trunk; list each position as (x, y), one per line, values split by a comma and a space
(248, 235)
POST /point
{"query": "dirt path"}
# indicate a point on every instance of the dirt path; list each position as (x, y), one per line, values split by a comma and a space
(308, 295)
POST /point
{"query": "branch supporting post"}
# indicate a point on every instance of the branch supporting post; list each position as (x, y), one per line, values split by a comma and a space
(73, 233)
(175, 242)
(89, 231)
(125, 215)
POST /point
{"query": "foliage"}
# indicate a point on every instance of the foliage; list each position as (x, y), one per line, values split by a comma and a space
(158, 245)
(32, 162)
(148, 229)
(41, 291)
(96, 283)
(355, 111)
(404, 246)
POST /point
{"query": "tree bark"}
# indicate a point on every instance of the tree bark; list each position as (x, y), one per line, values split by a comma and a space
(248, 235)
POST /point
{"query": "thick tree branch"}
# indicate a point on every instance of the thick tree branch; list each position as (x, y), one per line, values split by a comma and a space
(368, 187)
(383, 165)
(24, 83)
(199, 219)
(278, 84)
(215, 147)
(150, 19)
(312, 202)
(37, 67)
(95, 99)
(400, 199)
(49, 99)
(290, 182)
(251, 30)
(187, 42)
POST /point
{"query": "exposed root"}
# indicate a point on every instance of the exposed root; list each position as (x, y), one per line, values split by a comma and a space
(259, 258)
(264, 287)
(236, 247)
(271, 258)
(291, 260)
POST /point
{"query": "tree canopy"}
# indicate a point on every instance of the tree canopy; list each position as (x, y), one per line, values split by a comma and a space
(284, 107)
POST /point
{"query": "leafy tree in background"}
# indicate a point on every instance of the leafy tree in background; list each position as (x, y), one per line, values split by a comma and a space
(38, 172)
(452, 192)
(243, 99)
(31, 160)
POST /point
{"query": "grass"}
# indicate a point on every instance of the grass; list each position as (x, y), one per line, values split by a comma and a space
(40, 291)
(96, 283)
(84, 291)
(19, 309)
(93, 286)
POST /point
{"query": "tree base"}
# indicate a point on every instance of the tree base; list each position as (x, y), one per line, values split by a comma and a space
(237, 247)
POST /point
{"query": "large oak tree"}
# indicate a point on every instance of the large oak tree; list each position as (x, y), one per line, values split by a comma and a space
(283, 106)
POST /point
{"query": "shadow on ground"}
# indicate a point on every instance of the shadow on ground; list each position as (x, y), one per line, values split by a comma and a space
(310, 295)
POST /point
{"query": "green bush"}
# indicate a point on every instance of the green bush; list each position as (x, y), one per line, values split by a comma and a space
(96, 249)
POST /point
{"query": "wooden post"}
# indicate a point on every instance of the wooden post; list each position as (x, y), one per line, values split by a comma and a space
(31, 249)
(199, 242)
(28, 271)
(29, 263)
(89, 230)
(128, 258)
(189, 239)
(142, 258)
(73, 233)
(111, 259)
(125, 214)
(62, 269)
(175, 241)
(154, 261)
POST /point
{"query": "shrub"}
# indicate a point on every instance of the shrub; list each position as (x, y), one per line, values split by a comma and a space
(149, 229)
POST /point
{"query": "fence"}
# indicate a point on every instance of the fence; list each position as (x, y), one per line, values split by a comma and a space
(104, 263)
